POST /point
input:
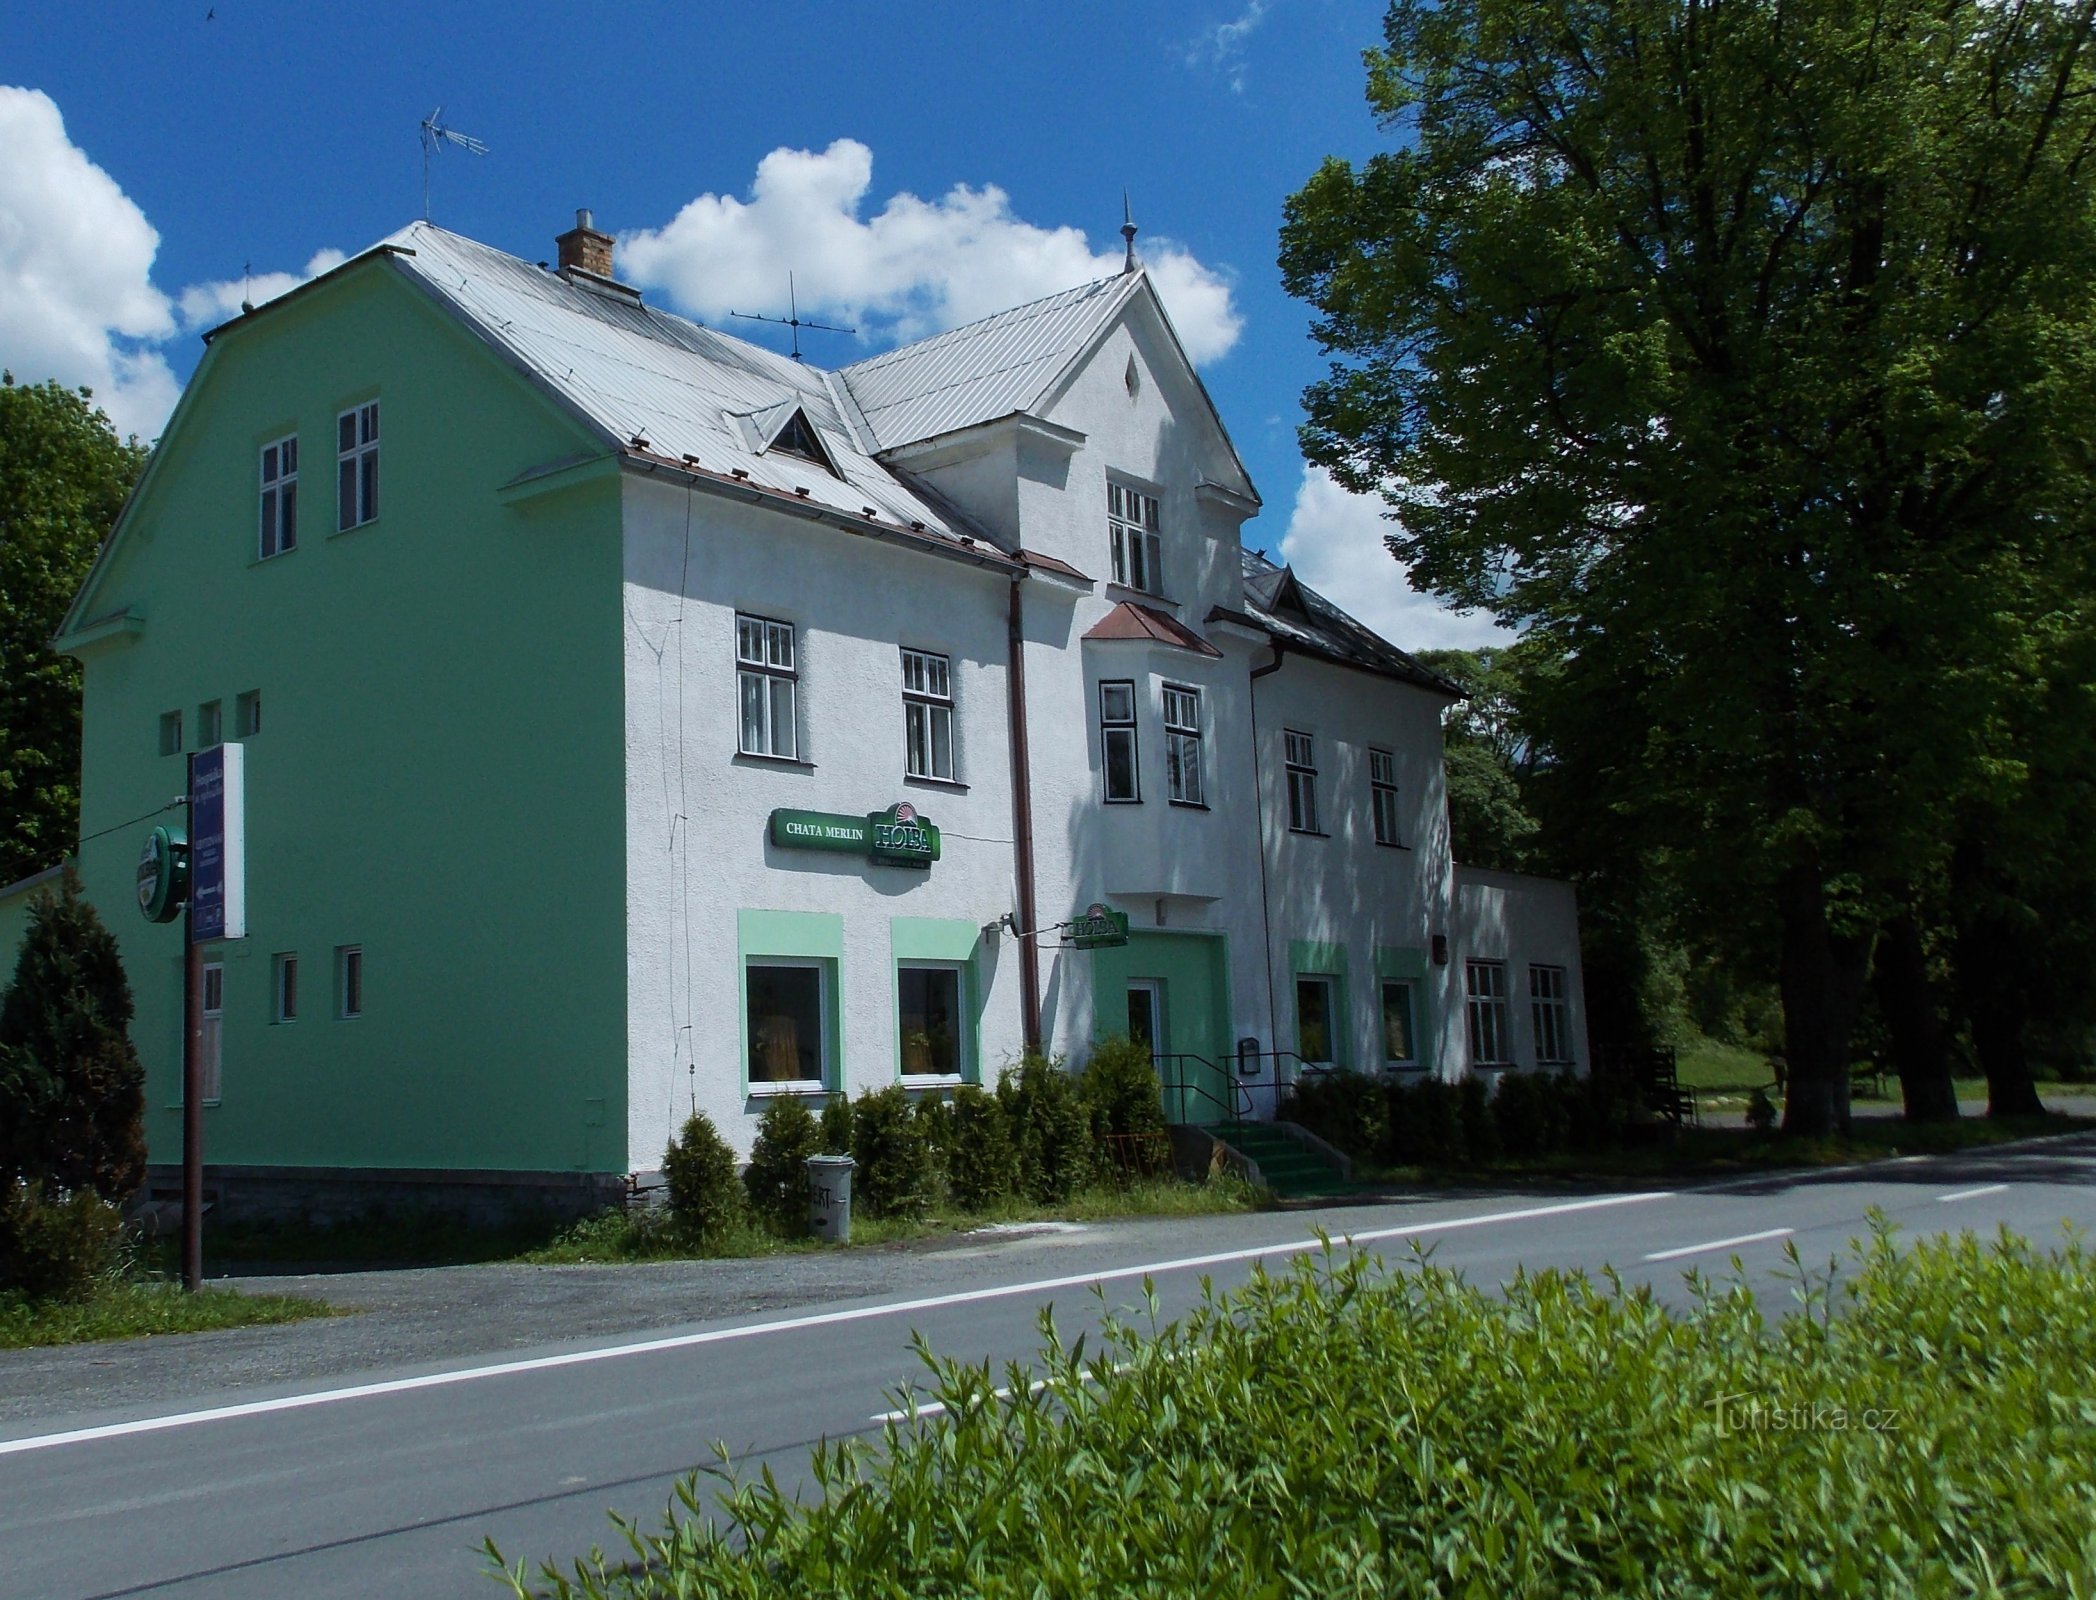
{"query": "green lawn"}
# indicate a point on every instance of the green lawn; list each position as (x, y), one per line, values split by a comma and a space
(133, 1310)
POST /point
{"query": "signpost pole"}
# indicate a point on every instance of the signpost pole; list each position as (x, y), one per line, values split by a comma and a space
(192, 1082)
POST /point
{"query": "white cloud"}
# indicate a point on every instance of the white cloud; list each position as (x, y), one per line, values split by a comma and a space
(1222, 46)
(1335, 543)
(77, 301)
(913, 268)
(205, 305)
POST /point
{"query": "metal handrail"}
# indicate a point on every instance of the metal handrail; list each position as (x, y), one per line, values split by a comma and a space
(1172, 1083)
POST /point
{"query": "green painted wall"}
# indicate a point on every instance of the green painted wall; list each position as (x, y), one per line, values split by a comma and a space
(804, 935)
(946, 939)
(439, 773)
(1416, 965)
(1312, 957)
(1193, 972)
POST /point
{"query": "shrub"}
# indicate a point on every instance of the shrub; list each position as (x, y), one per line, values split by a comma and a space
(1601, 1106)
(836, 1126)
(699, 1170)
(57, 1247)
(777, 1177)
(1474, 1109)
(1126, 1103)
(1535, 1120)
(1426, 1124)
(981, 1166)
(1348, 1110)
(1051, 1129)
(893, 1150)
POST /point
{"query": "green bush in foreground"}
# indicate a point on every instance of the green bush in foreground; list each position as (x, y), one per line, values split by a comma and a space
(777, 1178)
(57, 1247)
(698, 1169)
(1346, 1431)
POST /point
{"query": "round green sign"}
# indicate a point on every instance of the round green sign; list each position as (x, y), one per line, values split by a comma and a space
(163, 874)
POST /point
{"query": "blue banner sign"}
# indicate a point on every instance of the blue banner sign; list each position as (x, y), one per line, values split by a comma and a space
(217, 839)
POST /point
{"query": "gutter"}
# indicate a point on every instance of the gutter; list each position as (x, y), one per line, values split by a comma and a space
(1266, 909)
(1028, 929)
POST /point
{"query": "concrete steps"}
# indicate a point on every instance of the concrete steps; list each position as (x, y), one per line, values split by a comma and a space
(1291, 1170)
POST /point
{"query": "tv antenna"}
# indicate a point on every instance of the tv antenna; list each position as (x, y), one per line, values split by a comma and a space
(793, 319)
(434, 134)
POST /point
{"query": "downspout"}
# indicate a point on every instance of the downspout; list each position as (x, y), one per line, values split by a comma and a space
(1022, 828)
(1266, 910)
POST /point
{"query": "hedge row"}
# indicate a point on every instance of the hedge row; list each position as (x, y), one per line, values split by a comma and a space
(1431, 1123)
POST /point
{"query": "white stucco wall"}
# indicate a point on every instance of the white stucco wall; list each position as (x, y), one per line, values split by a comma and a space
(1523, 921)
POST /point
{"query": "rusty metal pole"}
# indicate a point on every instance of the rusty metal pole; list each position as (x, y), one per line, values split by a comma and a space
(192, 1079)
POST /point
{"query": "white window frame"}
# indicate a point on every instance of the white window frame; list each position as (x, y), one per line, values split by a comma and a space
(1550, 1010)
(927, 716)
(767, 666)
(826, 1059)
(170, 733)
(1485, 1007)
(356, 466)
(1411, 993)
(1134, 538)
(1382, 796)
(1119, 727)
(211, 1034)
(277, 513)
(964, 1055)
(1182, 746)
(283, 986)
(247, 713)
(349, 982)
(1299, 762)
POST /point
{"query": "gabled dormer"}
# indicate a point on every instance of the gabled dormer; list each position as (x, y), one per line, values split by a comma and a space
(785, 429)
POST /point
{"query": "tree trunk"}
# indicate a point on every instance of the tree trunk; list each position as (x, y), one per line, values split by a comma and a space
(1823, 974)
(1992, 962)
(1914, 1017)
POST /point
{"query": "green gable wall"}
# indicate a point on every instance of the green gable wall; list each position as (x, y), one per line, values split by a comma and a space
(439, 773)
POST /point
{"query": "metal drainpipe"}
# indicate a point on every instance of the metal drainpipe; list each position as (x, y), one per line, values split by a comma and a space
(1266, 910)
(1022, 827)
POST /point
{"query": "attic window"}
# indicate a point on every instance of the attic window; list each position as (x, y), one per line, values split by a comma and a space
(1132, 379)
(799, 438)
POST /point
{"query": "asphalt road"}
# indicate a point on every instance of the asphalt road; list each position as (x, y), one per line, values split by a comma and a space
(269, 1462)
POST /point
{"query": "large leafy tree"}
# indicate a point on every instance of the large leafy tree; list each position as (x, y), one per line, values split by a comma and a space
(1741, 352)
(63, 478)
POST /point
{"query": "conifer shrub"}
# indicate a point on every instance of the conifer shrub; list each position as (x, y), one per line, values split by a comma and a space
(893, 1151)
(776, 1179)
(1475, 1110)
(981, 1166)
(1051, 1129)
(1121, 1090)
(1535, 1114)
(1426, 1124)
(836, 1126)
(1348, 1110)
(57, 1246)
(698, 1168)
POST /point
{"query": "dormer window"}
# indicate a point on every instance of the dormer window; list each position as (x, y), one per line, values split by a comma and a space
(1131, 521)
(784, 429)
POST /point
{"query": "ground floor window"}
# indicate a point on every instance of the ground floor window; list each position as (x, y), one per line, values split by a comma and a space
(1316, 1021)
(1400, 1042)
(211, 1032)
(1552, 1016)
(1491, 1042)
(283, 1005)
(788, 1042)
(349, 981)
(928, 1020)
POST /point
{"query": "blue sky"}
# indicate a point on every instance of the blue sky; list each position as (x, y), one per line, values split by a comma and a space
(913, 165)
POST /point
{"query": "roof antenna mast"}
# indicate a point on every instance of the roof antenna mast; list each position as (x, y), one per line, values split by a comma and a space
(1128, 233)
(434, 133)
(793, 319)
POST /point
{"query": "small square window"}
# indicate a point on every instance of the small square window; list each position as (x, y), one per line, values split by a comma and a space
(170, 733)
(247, 714)
(349, 981)
(283, 987)
(209, 719)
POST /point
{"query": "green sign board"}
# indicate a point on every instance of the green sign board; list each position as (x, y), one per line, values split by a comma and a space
(163, 874)
(897, 836)
(1100, 927)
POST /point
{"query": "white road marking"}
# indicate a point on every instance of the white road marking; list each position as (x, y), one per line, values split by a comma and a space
(1719, 1244)
(1973, 1194)
(816, 1319)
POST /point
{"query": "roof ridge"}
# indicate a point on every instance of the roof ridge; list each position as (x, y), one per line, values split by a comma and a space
(994, 316)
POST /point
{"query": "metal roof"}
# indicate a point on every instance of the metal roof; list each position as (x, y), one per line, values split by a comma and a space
(1130, 621)
(1297, 617)
(984, 370)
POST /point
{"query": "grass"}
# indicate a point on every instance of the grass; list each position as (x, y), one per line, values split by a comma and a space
(133, 1309)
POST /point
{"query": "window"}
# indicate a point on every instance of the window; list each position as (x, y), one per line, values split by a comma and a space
(209, 721)
(170, 733)
(766, 677)
(279, 497)
(349, 981)
(1400, 1043)
(1300, 759)
(787, 1031)
(1485, 984)
(1316, 1021)
(247, 714)
(1117, 740)
(1552, 1016)
(211, 1032)
(1382, 795)
(283, 988)
(356, 466)
(1182, 745)
(927, 714)
(1131, 520)
(928, 1017)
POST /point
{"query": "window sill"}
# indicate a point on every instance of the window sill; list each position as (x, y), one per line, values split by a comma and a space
(1189, 805)
(1310, 833)
(1141, 597)
(354, 527)
(1131, 800)
(951, 785)
(1392, 844)
(263, 561)
(747, 758)
(802, 1086)
(931, 1080)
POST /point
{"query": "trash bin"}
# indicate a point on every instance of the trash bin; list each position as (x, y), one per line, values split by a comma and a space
(829, 1198)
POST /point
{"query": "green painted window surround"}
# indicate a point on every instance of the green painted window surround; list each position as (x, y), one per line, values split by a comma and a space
(939, 941)
(1314, 958)
(816, 936)
(1413, 964)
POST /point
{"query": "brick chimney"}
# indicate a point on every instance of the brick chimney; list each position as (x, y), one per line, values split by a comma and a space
(585, 248)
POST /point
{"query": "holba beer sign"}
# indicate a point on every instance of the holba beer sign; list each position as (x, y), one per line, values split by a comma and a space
(898, 835)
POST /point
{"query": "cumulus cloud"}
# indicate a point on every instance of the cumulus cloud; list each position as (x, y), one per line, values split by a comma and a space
(1335, 543)
(77, 301)
(1222, 47)
(913, 268)
(205, 305)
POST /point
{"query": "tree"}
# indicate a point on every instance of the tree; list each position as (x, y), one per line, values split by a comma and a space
(1485, 755)
(72, 1091)
(1741, 352)
(63, 478)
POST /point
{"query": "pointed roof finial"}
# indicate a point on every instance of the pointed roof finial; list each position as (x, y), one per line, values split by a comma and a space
(1128, 232)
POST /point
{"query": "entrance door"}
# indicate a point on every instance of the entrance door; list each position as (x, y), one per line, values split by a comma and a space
(1146, 1013)
(1170, 991)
